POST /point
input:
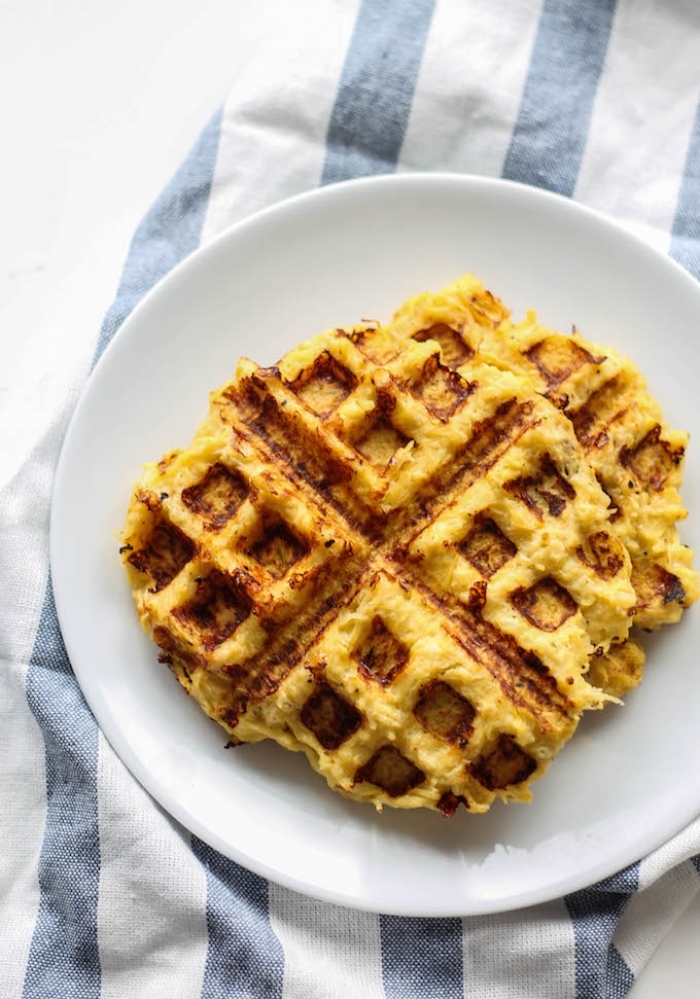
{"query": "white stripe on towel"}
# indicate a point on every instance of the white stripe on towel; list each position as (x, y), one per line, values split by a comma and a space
(468, 92)
(527, 954)
(328, 951)
(272, 142)
(643, 116)
(24, 507)
(152, 928)
(652, 912)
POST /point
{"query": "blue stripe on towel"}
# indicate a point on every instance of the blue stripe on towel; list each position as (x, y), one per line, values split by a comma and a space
(618, 978)
(550, 134)
(595, 913)
(685, 244)
(63, 956)
(169, 232)
(422, 958)
(369, 119)
(244, 958)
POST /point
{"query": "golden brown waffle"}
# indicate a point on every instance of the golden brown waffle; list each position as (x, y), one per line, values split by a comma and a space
(398, 568)
(636, 457)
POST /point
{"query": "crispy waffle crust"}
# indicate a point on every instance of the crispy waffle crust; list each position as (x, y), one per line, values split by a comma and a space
(391, 553)
(635, 456)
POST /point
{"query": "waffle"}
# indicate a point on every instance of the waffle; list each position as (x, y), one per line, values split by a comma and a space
(399, 568)
(635, 456)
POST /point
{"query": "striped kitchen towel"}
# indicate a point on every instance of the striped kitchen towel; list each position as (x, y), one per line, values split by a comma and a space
(101, 892)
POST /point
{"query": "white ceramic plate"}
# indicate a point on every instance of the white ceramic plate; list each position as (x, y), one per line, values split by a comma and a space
(628, 780)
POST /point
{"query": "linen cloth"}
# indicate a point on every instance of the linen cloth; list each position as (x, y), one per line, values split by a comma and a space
(101, 892)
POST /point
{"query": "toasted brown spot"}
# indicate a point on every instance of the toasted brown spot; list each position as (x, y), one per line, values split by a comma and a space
(181, 661)
(445, 713)
(442, 390)
(380, 442)
(614, 512)
(543, 493)
(476, 598)
(607, 405)
(216, 610)
(654, 585)
(378, 350)
(603, 554)
(329, 716)
(619, 670)
(486, 547)
(453, 348)
(324, 385)
(277, 548)
(166, 552)
(557, 357)
(381, 655)
(166, 461)
(163, 638)
(558, 399)
(449, 802)
(391, 771)
(653, 459)
(503, 764)
(547, 605)
(217, 496)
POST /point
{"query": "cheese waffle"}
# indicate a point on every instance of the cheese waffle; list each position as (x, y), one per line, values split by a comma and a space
(397, 567)
(635, 456)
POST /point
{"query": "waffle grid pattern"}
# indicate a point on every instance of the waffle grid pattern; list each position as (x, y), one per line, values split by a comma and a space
(392, 565)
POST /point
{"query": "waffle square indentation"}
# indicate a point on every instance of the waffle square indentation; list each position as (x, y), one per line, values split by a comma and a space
(324, 385)
(603, 554)
(217, 496)
(445, 713)
(547, 605)
(558, 357)
(547, 492)
(166, 552)
(453, 348)
(654, 585)
(380, 442)
(390, 770)
(329, 716)
(276, 547)
(504, 763)
(441, 389)
(653, 459)
(486, 547)
(381, 655)
(216, 610)
(605, 407)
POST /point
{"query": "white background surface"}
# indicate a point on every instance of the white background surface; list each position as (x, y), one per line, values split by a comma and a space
(101, 102)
